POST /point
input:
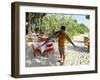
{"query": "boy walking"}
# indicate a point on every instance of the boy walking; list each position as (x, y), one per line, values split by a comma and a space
(62, 36)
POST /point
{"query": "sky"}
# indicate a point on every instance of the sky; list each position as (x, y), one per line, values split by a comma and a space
(82, 19)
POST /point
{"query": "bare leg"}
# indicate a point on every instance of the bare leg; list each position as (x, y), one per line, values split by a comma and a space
(62, 56)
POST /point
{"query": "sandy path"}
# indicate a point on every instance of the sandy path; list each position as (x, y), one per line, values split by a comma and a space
(74, 55)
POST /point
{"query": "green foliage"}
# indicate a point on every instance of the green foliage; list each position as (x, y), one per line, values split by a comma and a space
(53, 22)
(87, 17)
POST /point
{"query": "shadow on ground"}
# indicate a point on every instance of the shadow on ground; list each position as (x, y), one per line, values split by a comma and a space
(77, 48)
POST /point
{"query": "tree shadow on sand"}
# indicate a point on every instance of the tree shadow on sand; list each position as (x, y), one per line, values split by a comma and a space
(78, 49)
(30, 61)
(78, 41)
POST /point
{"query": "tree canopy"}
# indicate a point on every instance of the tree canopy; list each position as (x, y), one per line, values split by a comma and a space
(53, 22)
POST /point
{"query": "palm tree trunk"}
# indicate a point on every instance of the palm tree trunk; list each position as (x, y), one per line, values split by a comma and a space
(30, 24)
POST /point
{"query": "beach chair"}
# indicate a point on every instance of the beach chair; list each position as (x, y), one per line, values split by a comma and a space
(49, 48)
(37, 51)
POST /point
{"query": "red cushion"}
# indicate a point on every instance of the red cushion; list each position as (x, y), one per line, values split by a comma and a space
(37, 50)
(49, 45)
(42, 39)
(49, 50)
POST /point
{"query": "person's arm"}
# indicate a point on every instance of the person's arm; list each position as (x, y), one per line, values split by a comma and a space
(51, 36)
(68, 38)
(54, 34)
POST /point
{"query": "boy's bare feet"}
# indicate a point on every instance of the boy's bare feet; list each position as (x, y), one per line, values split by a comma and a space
(62, 62)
